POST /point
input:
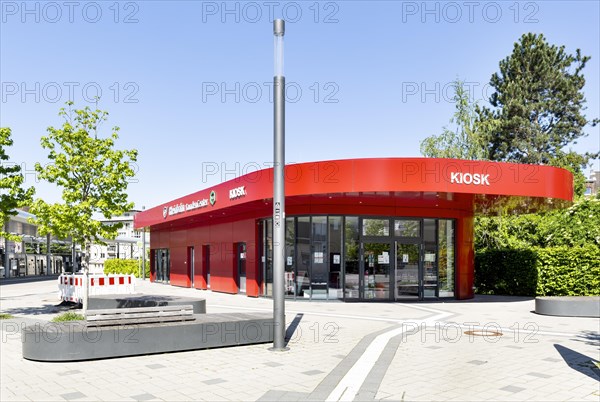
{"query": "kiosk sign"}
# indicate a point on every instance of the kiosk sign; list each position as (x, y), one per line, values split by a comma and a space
(468, 178)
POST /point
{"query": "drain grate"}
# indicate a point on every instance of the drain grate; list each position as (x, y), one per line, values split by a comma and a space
(483, 332)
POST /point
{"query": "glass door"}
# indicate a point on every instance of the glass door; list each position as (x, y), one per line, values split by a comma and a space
(241, 259)
(162, 265)
(376, 270)
(408, 272)
(191, 264)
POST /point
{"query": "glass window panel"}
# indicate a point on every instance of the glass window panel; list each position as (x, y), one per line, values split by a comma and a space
(429, 230)
(319, 273)
(335, 256)
(376, 227)
(351, 257)
(290, 257)
(303, 257)
(377, 270)
(268, 257)
(446, 257)
(407, 228)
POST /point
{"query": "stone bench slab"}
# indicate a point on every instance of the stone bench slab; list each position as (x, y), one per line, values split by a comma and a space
(568, 306)
(129, 301)
(74, 341)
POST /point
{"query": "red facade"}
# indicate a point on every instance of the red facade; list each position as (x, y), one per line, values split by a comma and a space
(230, 213)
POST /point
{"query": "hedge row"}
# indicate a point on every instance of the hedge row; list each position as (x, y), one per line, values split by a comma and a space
(506, 272)
(552, 271)
(125, 267)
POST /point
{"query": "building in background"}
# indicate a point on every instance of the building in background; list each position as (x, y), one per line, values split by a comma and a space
(127, 245)
(592, 184)
(30, 256)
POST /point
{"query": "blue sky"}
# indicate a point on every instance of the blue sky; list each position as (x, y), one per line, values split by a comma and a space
(188, 82)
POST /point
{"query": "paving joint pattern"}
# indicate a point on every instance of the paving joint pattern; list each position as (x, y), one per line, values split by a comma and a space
(538, 358)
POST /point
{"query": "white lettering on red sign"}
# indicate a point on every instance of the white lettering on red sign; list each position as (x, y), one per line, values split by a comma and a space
(181, 207)
(237, 192)
(468, 178)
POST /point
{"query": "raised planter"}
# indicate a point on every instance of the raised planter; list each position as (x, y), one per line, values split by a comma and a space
(76, 341)
(130, 301)
(568, 306)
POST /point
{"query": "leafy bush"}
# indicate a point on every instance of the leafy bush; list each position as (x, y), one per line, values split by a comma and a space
(568, 271)
(574, 226)
(125, 267)
(68, 316)
(551, 271)
(5, 316)
(509, 272)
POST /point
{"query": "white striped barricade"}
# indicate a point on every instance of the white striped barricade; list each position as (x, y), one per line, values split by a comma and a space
(70, 286)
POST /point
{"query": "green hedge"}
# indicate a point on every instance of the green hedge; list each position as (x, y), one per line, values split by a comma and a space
(126, 267)
(506, 272)
(551, 271)
(569, 271)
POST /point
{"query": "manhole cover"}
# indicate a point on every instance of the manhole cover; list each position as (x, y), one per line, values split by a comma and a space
(483, 332)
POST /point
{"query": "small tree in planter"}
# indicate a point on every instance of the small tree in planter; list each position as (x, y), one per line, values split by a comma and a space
(94, 178)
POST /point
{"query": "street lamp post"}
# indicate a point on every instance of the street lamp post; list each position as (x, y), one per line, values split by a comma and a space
(278, 190)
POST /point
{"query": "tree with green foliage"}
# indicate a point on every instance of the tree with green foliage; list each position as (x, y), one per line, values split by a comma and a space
(538, 106)
(466, 140)
(93, 175)
(13, 195)
(576, 226)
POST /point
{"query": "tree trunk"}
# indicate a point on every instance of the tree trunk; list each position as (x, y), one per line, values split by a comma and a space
(6, 259)
(86, 271)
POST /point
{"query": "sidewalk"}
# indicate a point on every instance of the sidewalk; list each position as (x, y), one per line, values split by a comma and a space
(348, 351)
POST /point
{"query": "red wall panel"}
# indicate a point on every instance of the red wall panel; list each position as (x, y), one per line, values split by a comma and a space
(465, 257)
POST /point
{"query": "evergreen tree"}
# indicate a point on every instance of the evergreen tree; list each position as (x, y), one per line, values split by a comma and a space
(538, 105)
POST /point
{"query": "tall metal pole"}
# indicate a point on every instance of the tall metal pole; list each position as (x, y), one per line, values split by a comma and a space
(278, 190)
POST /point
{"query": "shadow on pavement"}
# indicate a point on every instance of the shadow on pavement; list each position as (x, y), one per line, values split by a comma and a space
(478, 299)
(579, 362)
(589, 338)
(27, 279)
(289, 332)
(46, 309)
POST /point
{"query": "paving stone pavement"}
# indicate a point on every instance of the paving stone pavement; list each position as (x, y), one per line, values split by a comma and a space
(536, 357)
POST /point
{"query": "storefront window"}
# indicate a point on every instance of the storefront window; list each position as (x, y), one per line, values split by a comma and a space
(446, 257)
(268, 258)
(303, 257)
(335, 257)
(429, 230)
(407, 228)
(290, 257)
(320, 263)
(351, 257)
(162, 265)
(376, 227)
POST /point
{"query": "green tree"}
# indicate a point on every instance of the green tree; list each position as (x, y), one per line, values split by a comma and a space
(538, 105)
(93, 176)
(466, 140)
(13, 195)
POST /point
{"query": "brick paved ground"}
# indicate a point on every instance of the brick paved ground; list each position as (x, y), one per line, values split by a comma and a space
(335, 345)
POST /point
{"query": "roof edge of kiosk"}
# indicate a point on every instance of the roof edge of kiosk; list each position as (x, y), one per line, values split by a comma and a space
(481, 186)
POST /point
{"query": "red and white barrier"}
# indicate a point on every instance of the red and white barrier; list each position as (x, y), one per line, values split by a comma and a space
(70, 286)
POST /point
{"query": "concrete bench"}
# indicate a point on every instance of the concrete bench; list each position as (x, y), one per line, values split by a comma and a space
(77, 341)
(138, 300)
(568, 306)
(139, 315)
